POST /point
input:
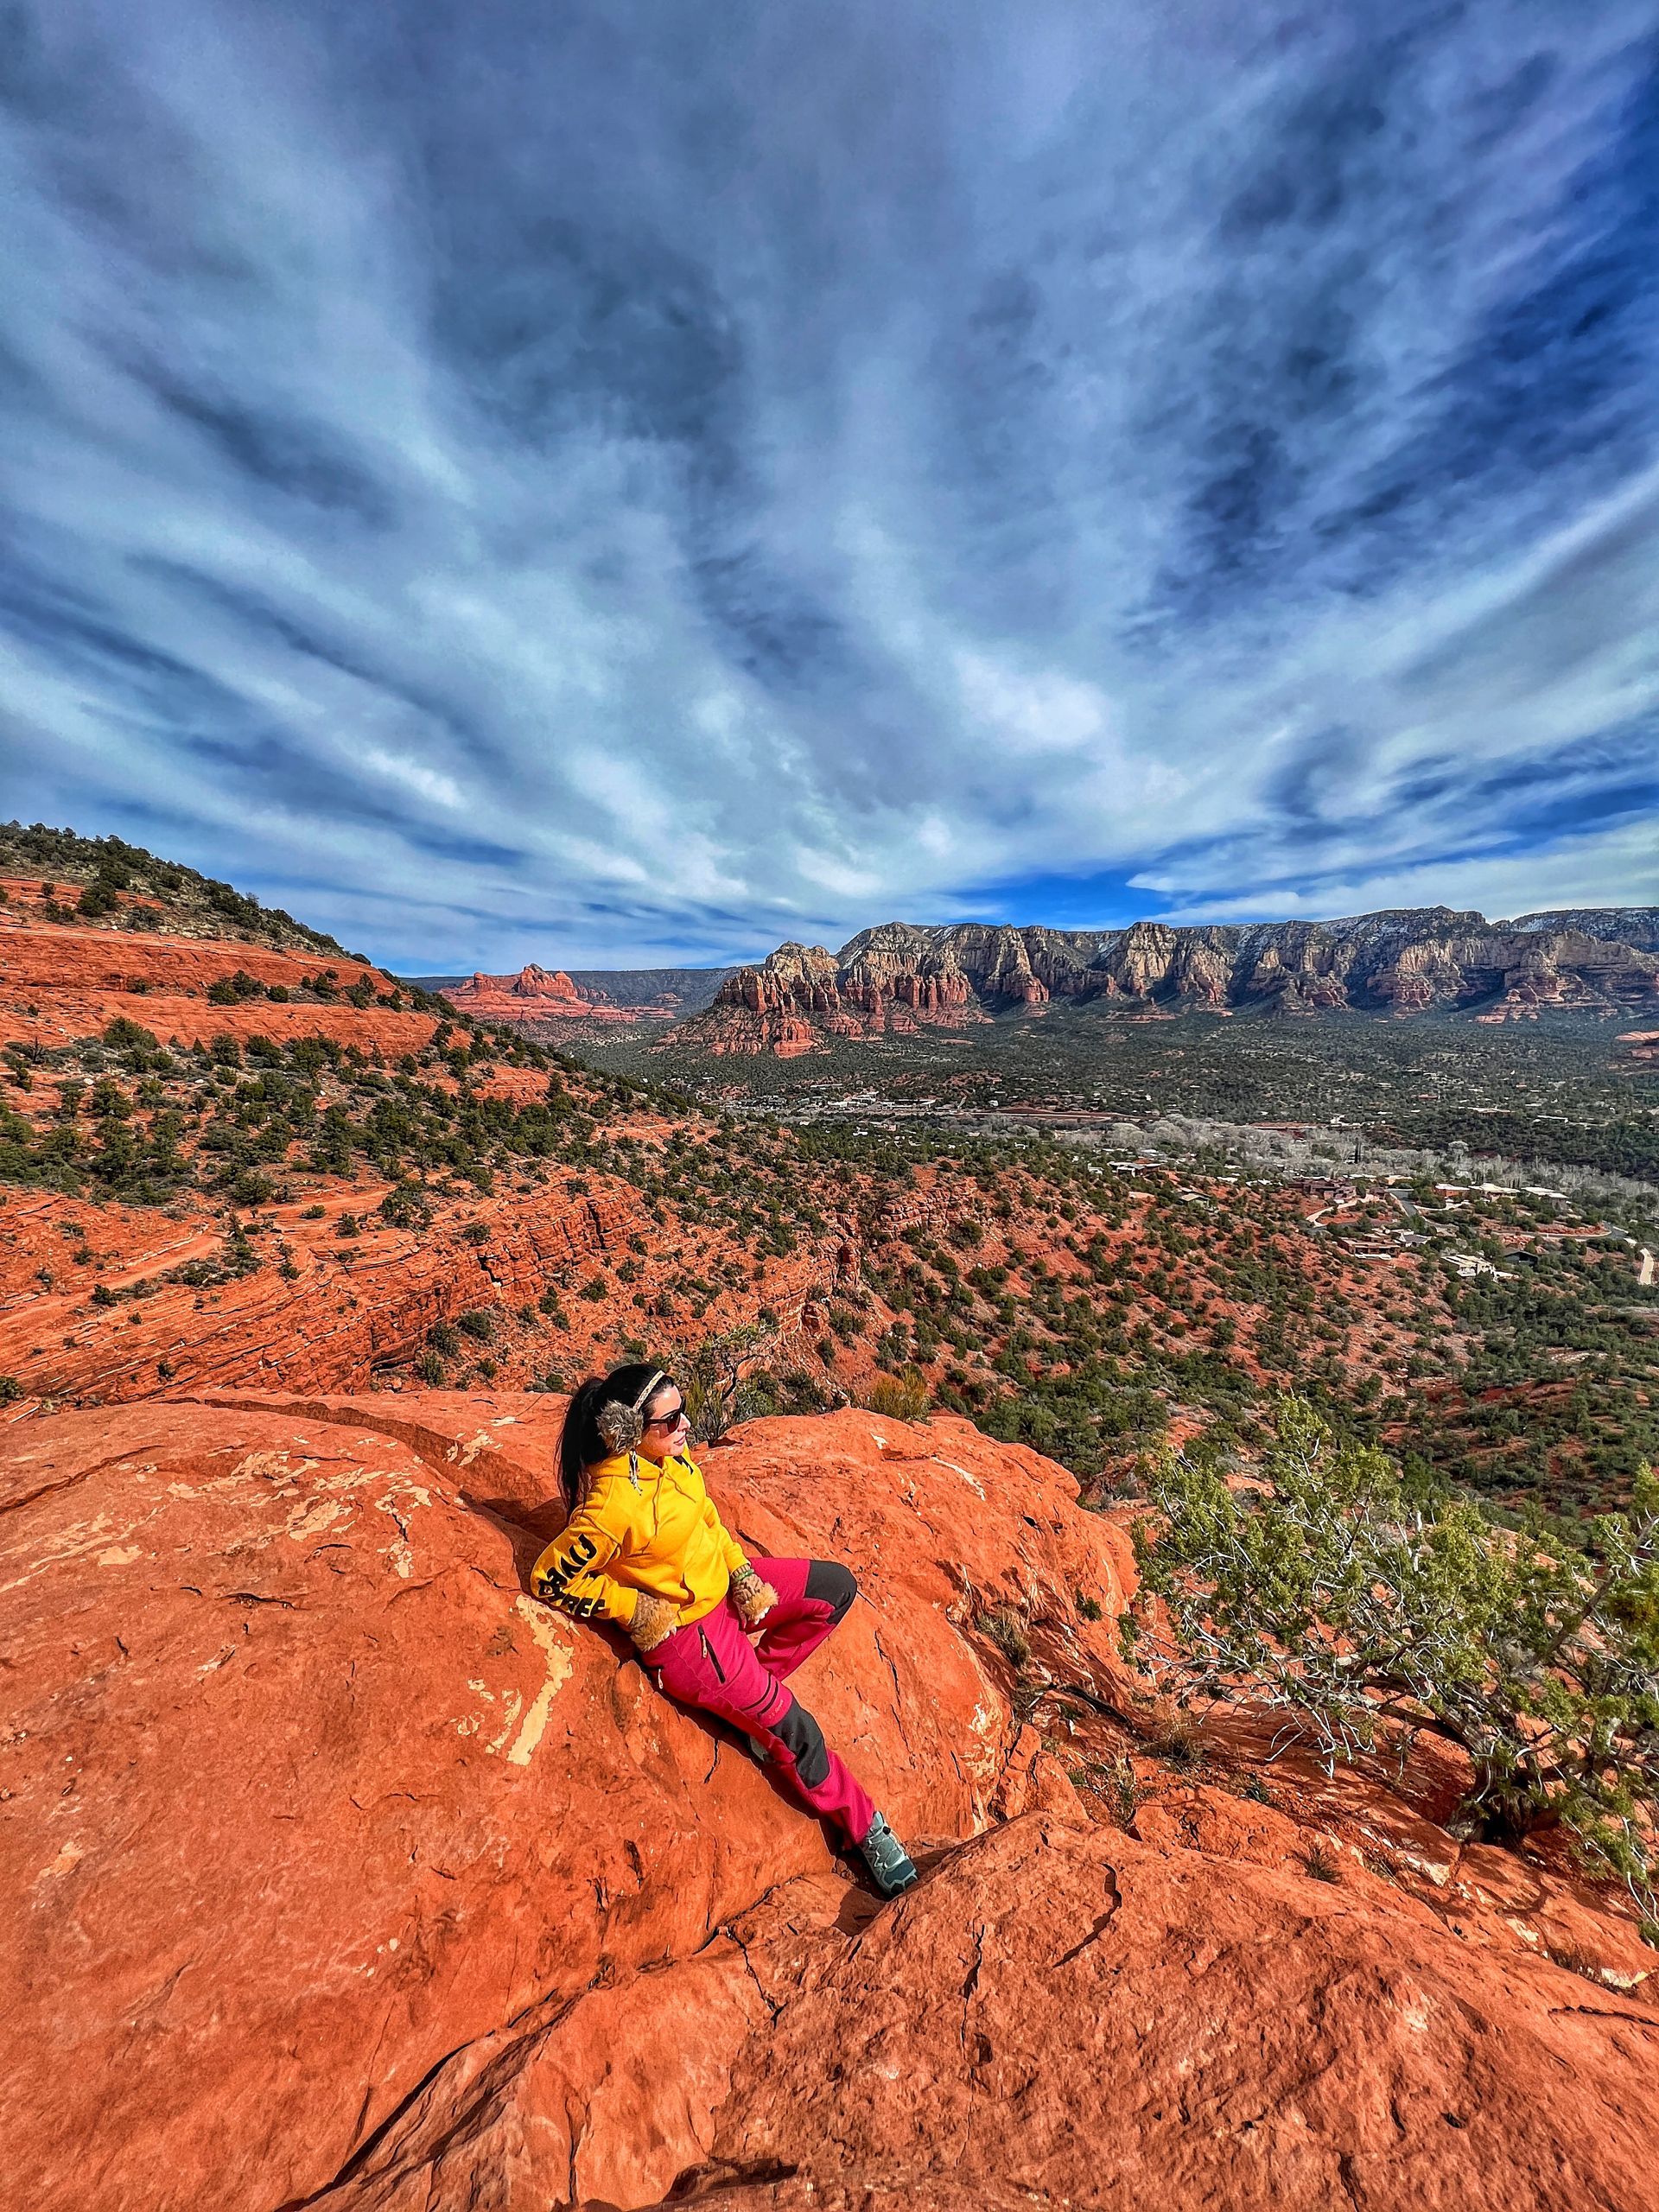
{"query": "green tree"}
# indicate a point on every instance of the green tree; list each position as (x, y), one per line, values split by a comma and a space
(1360, 1604)
(711, 1379)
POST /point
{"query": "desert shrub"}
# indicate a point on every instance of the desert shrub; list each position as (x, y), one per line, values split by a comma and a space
(1008, 1631)
(121, 1035)
(251, 1188)
(429, 1368)
(477, 1324)
(799, 1392)
(406, 1206)
(1359, 1604)
(899, 1397)
(1172, 1732)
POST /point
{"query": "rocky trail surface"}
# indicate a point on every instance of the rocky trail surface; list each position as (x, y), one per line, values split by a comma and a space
(346, 1875)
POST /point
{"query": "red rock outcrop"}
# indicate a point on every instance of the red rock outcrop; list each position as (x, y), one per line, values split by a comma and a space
(899, 975)
(542, 995)
(348, 1876)
(304, 1785)
(346, 1310)
(60, 983)
(1242, 2040)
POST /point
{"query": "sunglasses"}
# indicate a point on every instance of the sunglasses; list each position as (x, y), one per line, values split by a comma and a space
(671, 1418)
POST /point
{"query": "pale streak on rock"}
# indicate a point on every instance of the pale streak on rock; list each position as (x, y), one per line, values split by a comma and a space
(558, 1673)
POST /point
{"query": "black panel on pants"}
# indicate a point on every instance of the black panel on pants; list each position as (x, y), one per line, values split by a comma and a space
(828, 1579)
(805, 1739)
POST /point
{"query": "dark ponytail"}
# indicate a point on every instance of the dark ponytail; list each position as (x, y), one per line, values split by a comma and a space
(581, 1445)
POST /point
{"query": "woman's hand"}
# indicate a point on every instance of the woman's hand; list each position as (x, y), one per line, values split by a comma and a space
(753, 1598)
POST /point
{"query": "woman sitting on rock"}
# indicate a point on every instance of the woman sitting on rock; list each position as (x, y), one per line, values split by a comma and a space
(644, 1547)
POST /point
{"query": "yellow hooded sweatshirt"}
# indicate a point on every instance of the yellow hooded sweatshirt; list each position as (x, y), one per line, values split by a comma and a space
(641, 1526)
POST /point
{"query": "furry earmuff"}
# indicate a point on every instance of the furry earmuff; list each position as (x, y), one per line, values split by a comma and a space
(623, 1426)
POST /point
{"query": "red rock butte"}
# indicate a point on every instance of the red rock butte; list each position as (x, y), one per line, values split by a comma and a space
(899, 978)
(539, 993)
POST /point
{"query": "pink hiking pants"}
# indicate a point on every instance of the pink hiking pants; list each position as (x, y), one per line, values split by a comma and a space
(711, 1664)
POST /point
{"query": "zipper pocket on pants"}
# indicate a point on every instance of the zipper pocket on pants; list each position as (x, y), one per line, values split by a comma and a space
(708, 1654)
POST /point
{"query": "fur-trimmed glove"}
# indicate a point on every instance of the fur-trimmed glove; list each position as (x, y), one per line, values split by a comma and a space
(753, 1598)
(654, 1621)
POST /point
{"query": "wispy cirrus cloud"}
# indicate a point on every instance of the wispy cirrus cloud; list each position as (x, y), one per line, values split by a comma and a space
(592, 483)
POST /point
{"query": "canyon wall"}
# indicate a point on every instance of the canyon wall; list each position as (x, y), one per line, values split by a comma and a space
(898, 977)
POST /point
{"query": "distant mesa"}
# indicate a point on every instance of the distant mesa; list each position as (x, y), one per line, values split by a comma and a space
(900, 978)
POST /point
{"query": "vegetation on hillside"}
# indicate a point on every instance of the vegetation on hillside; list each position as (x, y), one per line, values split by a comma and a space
(105, 878)
(1140, 1322)
(1053, 1300)
(1369, 1609)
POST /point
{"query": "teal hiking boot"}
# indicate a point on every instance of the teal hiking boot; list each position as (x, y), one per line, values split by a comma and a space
(885, 1856)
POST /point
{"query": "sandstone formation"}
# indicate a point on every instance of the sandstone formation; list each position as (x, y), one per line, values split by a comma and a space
(537, 994)
(108, 1301)
(345, 1875)
(343, 1311)
(803, 993)
(899, 976)
(61, 983)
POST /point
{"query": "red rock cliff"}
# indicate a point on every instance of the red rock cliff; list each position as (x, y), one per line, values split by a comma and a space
(900, 976)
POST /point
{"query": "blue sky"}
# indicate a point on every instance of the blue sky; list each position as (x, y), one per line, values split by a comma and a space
(618, 483)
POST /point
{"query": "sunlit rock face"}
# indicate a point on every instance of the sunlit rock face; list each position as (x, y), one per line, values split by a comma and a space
(899, 976)
(345, 1874)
